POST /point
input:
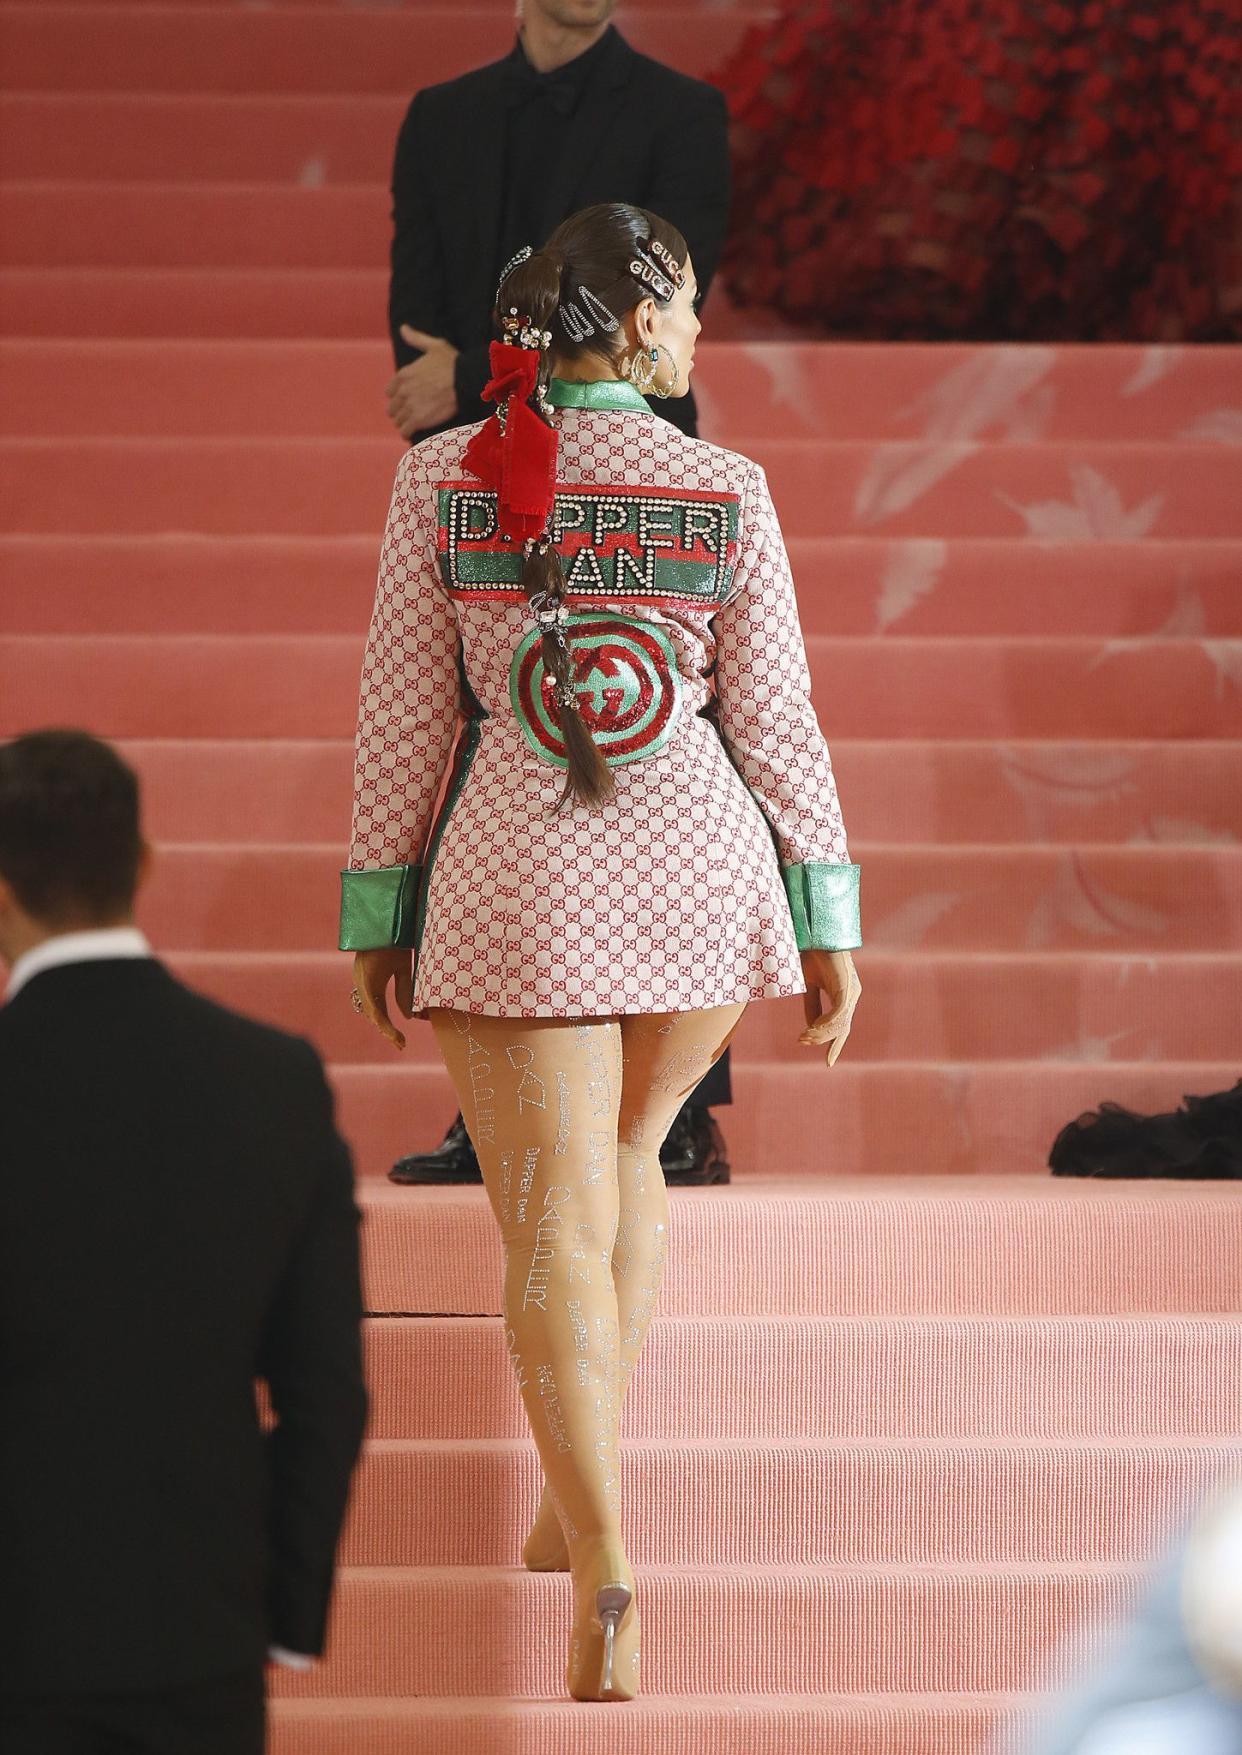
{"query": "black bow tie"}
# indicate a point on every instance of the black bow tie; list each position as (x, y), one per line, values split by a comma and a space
(523, 84)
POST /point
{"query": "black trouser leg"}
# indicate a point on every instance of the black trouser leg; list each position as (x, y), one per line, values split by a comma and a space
(716, 1087)
(224, 1716)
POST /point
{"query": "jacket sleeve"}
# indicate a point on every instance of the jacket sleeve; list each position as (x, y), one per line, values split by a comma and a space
(769, 726)
(409, 708)
(311, 1357)
(416, 287)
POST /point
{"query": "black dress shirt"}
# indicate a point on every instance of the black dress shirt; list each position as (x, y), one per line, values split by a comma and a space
(539, 105)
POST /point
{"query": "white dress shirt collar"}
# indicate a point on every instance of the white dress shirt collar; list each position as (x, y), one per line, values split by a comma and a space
(100, 945)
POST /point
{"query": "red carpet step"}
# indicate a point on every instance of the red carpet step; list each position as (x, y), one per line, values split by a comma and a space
(920, 1005)
(192, 136)
(888, 1377)
(184, 304)
(798, 1724)
(336, 487)
(798, 1503)
(404, 1633)
(851, 585)
(928, 1118)
(235, 301)
(881, 1246)
(315, 48)
(195, 225)
(987, 794)
(927, 396)
(307, 686)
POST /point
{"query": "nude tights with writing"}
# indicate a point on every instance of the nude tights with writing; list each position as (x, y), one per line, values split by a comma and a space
(567, 1118)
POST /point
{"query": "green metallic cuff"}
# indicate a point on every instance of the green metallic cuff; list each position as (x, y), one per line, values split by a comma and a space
(377, 907)
(823, 900)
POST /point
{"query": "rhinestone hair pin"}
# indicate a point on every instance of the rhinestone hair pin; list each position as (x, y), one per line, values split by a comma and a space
(522, 255)
(585, 315)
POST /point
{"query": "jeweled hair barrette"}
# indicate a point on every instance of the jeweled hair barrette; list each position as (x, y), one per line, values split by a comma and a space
(647, 272)
(523, 254)
(676, 272)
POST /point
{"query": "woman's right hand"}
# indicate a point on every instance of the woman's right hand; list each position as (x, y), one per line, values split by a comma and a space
(373, 970)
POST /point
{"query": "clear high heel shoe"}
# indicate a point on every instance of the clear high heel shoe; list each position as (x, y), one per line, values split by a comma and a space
(611, 1605)
(604, 1666)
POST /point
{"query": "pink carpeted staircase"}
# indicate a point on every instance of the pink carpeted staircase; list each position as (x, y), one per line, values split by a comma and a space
(912, 1412)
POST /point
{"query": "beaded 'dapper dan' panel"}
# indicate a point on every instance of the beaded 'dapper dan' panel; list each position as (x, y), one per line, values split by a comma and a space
(666, 545)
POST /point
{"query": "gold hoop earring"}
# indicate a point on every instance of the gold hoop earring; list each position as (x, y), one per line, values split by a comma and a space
(641, 370)
(672, 388)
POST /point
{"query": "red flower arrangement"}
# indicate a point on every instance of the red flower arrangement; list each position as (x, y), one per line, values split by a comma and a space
(991, 169)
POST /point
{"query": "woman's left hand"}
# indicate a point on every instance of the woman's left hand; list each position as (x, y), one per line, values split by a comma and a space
(832, 974)
(373, 970)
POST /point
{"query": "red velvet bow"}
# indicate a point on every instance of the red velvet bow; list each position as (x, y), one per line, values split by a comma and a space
(514, 371)
(520, 463)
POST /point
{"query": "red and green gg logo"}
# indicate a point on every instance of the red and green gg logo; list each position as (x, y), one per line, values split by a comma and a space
(626, 681)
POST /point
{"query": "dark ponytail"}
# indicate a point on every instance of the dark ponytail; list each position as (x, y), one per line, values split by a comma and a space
(589, 259)
(589, 778)
(534, 287)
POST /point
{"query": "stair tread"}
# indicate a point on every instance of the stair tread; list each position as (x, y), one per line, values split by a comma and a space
(982, 1325)
(922, 396)
(644, 1706)
(771, 1572)
(930, 1192)
(815, 1448)
(72, 47)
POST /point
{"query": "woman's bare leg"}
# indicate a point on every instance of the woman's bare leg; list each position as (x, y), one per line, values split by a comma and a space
(664, 1057)
(540, 1098)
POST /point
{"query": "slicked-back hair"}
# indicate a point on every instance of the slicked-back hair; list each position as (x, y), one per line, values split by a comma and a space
(70, 830)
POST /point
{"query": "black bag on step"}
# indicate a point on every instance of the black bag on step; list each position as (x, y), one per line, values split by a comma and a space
(1201, 1141)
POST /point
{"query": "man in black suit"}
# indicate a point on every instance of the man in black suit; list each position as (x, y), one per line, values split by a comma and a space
(176, 1221)
(498, 158)
(493, 161)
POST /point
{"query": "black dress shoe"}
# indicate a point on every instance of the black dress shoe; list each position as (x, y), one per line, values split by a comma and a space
(694, 1154)
(453, 1160)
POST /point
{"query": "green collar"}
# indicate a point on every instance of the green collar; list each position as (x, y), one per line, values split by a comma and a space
(601, 393)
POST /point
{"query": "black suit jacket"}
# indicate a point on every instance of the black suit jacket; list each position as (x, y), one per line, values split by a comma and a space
(643, 134)
(176, 1219)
